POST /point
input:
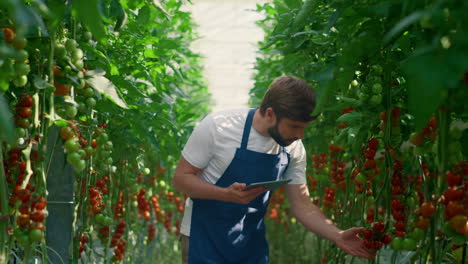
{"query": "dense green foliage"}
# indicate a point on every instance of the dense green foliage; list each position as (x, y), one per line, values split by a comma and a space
(115, 83)
(375, 63)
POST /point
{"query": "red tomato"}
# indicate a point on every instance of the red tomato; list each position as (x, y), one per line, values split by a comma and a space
(387, 239)
(427, 209)
(453, 179)
(378, 227)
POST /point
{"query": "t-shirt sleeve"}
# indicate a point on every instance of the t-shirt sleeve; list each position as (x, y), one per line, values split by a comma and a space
(198, 150)
(297, 167)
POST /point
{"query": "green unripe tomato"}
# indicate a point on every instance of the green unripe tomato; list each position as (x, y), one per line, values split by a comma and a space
(77, 55)
(134, 187)
(60, 51)
(456, 133)
(417, 234)
(89, 150)
(397, 243)
(79, 64)
(103, 137)
(71, 145)
(377, 69)
(99, 218)
(108, 145)
(411, 202)
(409, 244)
(20, 43)
(21, 56)
(80, 75)
(363, 97)
(377, 88)
(88, 92)
(20, 81)
(80, 166)
(146, 171)
(22, 68)
(364, 89)
(375, 100)
(70, 45)
(73, 158)
(20, 132)
(109, 161)
(71, 111)
(162, 183)
(82, 153)
(35, 235)
(107, 220)
(361, 178)
(81, 85)
(87, 36)
(90, 102)
(354, 83)
(23, 239)
(82, 107)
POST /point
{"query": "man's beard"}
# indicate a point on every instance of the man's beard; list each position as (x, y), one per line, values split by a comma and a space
(274, 133)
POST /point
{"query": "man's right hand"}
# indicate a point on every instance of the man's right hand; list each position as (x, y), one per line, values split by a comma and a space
(236, 193)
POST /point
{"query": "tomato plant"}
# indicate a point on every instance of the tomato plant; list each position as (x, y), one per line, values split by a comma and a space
(402, 145)
(96, 101)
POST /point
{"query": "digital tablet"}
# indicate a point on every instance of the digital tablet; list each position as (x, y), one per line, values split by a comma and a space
(268, 184)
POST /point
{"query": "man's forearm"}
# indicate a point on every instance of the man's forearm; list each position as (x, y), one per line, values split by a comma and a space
(195, 187)
(314, 220)
(309, 215)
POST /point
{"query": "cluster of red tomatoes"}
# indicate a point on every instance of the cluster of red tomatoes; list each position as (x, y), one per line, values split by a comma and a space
(429, 132)
(151, 232)
(370, 170)
(375, 238)
(143, 205)
(456, 198)
(118, 242)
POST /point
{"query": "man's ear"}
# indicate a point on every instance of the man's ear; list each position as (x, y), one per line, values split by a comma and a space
(270, 115)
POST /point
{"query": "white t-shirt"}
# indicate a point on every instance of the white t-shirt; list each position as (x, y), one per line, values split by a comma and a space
(213, 144)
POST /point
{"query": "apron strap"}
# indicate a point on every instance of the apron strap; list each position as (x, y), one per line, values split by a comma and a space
(247, 126)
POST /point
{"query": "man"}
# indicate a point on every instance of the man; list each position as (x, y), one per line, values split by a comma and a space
(223, 221)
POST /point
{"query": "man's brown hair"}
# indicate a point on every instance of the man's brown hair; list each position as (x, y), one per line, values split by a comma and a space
(290, 97)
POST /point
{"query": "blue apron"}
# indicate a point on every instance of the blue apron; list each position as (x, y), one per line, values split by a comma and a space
(228, 233)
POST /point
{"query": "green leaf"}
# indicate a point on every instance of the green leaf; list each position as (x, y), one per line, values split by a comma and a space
(306, 14)
(428, 77)
(41, 84)
(57, 9)
(350, 101)
(404, 23)
(159, 5)
(61, 123)
(144, 15)
(106, 87)
(88, 12)
(352, 119)
(7, 131)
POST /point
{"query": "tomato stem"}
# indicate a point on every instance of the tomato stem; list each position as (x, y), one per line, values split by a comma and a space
(51, 80)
